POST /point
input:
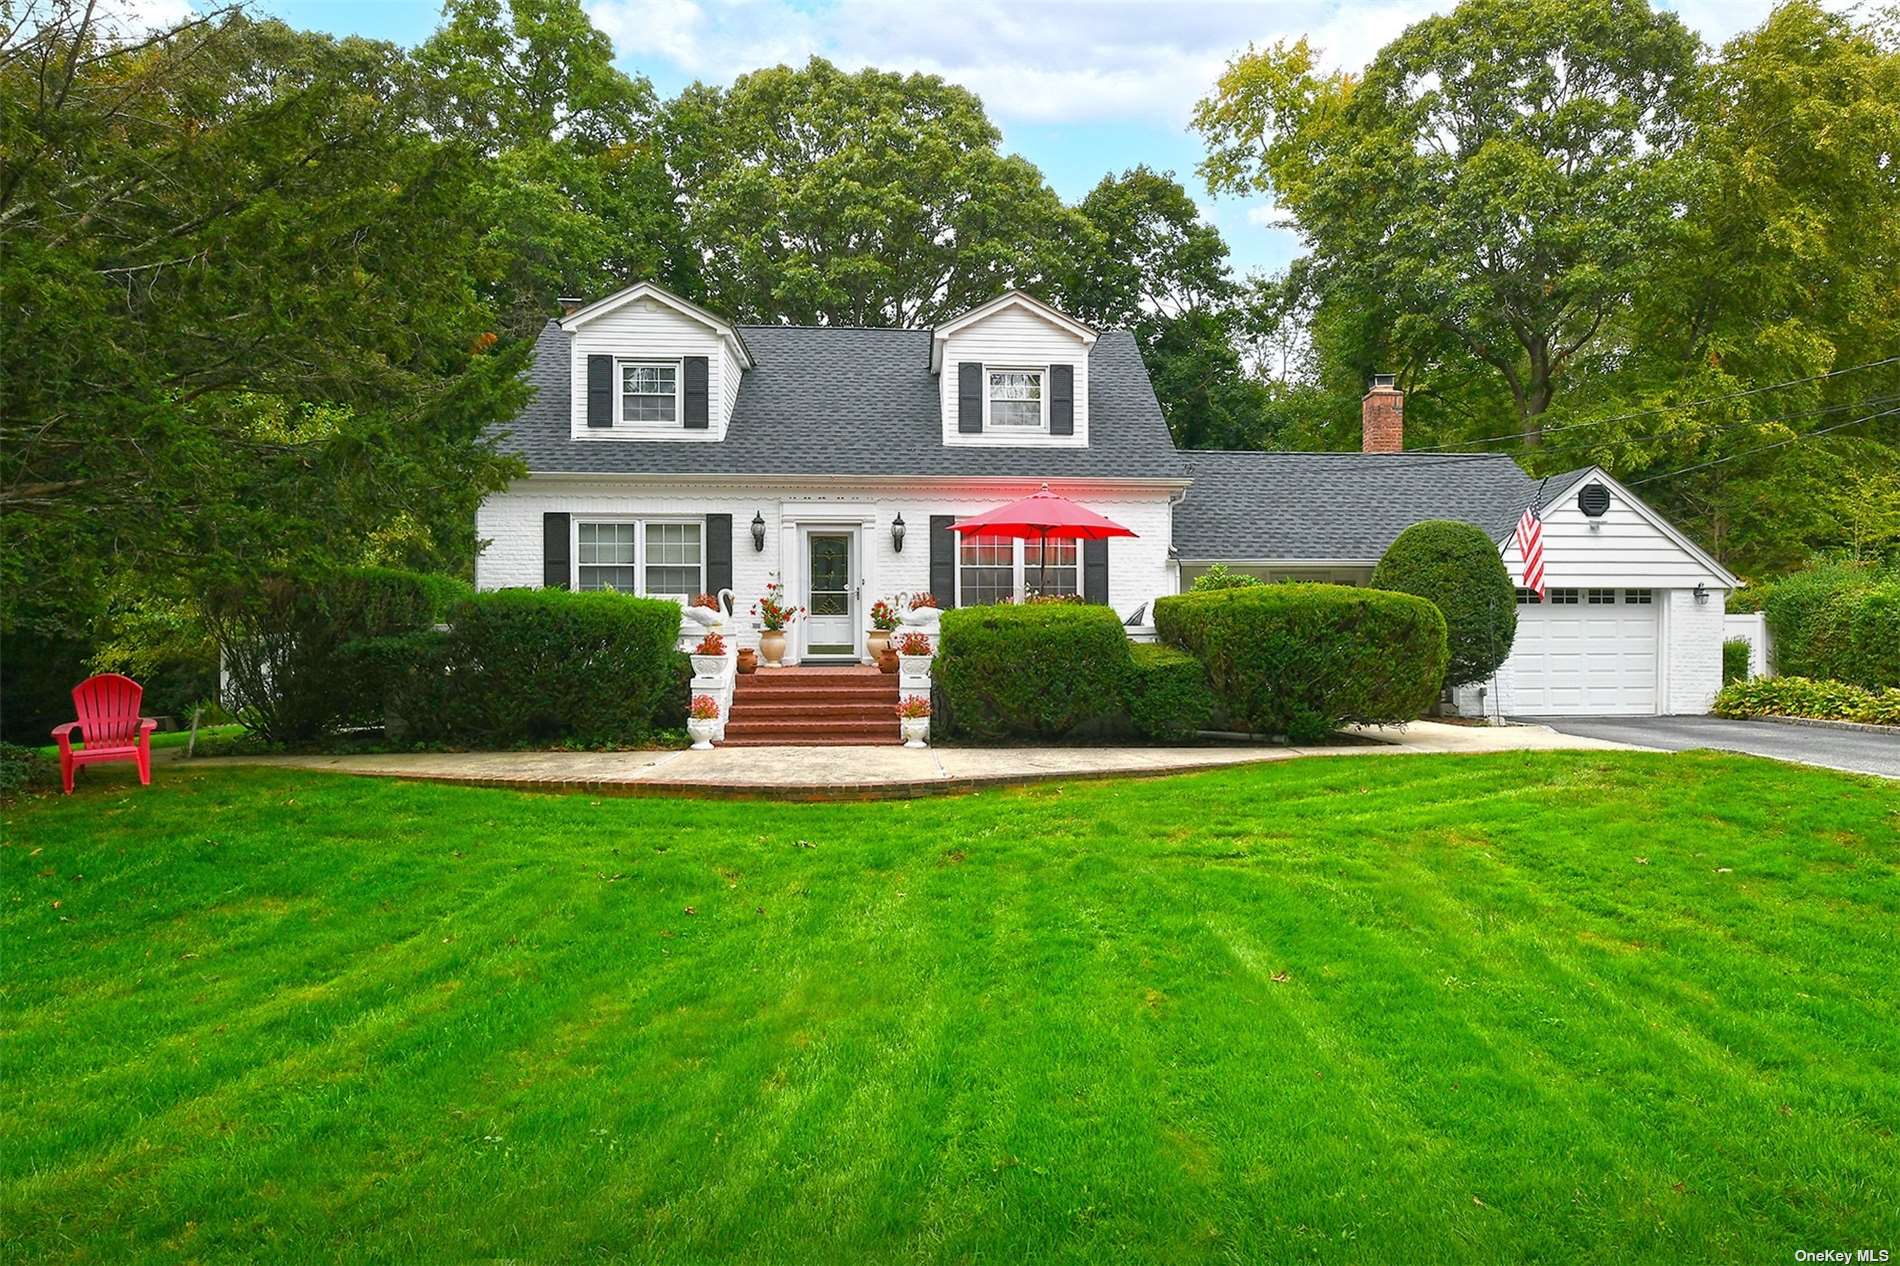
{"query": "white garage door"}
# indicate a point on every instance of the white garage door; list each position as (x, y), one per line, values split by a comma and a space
(1586, 652)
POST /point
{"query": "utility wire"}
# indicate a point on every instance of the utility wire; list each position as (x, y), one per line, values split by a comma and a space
(1437, 459)
(1792, 439)
(1671, 408)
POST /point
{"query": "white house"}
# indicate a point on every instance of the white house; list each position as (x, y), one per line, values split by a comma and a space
(673, 453)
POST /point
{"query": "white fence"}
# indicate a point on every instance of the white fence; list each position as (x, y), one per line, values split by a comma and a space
(1751, 627)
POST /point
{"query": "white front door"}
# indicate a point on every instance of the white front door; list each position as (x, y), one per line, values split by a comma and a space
(1587, 652)
(831, 627)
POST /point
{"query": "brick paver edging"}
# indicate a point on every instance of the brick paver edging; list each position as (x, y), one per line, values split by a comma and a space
(807, 793)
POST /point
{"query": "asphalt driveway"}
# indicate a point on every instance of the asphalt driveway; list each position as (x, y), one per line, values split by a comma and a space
(1854, 750)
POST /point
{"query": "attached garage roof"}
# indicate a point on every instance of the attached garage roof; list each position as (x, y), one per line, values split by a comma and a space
(1247, 506)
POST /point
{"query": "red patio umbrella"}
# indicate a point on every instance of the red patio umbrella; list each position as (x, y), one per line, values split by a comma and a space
(1043, 515)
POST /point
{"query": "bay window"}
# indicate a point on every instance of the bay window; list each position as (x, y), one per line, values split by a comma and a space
(657, 559)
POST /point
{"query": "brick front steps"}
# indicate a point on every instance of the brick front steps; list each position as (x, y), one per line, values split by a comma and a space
(813, 707)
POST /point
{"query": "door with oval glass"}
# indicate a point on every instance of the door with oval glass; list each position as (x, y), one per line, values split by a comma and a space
(831, 624)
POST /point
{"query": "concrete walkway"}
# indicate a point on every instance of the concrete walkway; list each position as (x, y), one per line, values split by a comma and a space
(878, 773)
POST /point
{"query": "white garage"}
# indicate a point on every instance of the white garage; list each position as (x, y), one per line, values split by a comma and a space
(1588, 652)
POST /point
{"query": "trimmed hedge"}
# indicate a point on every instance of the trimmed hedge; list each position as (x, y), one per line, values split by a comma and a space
(1301, 660)
(1168, 696)
(284, 640)
(1837, 622)
(1457, 568)
(1735, 653)
(1040, 670)
(1804, 697)
(538, 665)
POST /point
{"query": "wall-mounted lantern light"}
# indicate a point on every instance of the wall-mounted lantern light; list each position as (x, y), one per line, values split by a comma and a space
(1701, 594)
(897, 532)
(758, 531)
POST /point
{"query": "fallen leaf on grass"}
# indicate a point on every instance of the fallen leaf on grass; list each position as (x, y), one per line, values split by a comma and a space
(806, 844)
(689, 910)
(1642, 861)
(1481, 1204)
(1280, 978)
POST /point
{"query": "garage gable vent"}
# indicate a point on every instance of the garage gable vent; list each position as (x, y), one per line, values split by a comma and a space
(1593, 500)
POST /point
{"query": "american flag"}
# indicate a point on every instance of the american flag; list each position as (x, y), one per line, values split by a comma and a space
(1530, 546)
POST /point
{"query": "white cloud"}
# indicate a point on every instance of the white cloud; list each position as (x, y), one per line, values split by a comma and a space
(1034, 62)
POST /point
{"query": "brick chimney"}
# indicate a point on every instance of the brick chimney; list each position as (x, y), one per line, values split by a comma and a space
(1382, 417)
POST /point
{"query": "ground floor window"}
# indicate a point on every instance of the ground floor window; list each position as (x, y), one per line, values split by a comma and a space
(657, 559)
(1005, 569)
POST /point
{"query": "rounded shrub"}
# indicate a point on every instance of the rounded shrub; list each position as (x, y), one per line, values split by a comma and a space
(1301, 660)
(1039, 671)
(1168, 696)
(1219, 577)
(1457, 568)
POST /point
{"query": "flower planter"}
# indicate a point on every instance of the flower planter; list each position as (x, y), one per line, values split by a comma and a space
(748, 660)
(916, 731)
(772, 647)
(914, 667)
(877, 641)
(887, 661)
(702, 732)
(711, 666)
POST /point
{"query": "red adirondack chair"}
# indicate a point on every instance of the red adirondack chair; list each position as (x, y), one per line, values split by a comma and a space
(110, 727)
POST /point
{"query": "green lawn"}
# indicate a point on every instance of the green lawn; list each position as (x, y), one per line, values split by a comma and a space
(1559, 1007)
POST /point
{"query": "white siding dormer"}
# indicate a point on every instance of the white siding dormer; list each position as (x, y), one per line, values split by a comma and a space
(650, 337)
(1021, 350)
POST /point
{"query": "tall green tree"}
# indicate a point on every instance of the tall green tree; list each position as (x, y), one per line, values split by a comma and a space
(1163, 272)
(238, 332)
(1497, 181)
(820, 196)
(574, 193)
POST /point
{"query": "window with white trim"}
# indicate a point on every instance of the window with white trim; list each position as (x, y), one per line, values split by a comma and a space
(1528, 598)
(649, 391)
(986, 569)
(606, 556)
(1051, 567)
(1564, 597)
(661, 559)
(1638, 597)
(1601, 597)
(1014, 400)
(1004, 569)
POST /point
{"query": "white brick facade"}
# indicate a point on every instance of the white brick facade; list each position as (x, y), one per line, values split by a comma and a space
(510, 525)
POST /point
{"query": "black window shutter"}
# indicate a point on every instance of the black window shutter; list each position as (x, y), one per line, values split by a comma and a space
(718, 553)
(555, 573)
(600, 391)
(1062, 399)
(698, 413)
(1095, 572)
(943, 560)
(969, 397)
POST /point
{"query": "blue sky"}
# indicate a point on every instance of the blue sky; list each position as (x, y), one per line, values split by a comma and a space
(1079, 87)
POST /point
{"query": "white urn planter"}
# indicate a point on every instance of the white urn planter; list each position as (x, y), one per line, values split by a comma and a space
(914, 667)
(916, 731)
(709, 667)
(702, 732)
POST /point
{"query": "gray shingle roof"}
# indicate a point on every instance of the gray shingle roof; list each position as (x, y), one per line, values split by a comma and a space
(1245, 505)
(841, 401)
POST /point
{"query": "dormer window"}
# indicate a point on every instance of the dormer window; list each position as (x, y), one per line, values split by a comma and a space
(649, 391)
(1015, 401)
